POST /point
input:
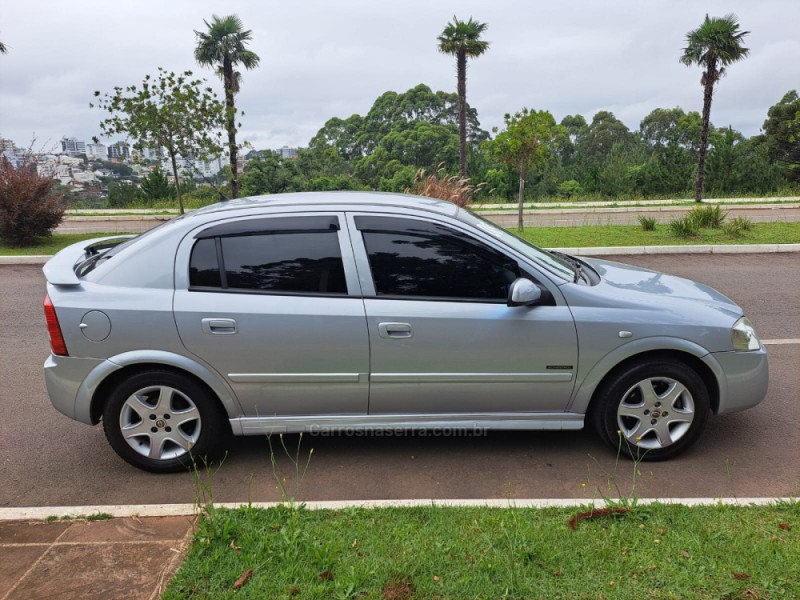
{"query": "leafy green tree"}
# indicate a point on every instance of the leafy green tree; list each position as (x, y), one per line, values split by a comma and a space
(156, 186)
(621, 172)
(782, 133)
(268, 173)
(176, 112)
(416, 128)
(462, 40)
(673, 138)
(601, 135)
(575, 128)
(345, 135)
(329, 184)
(525, 144)
(737, 165)
(502, 181)
(715, 45)
(224, 46)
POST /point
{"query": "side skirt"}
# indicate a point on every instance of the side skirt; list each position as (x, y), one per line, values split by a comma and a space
(350, 424)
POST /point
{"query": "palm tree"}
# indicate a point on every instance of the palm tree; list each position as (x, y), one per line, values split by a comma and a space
(3, 49)
(714, 45)
(224, 46)
(462, 40)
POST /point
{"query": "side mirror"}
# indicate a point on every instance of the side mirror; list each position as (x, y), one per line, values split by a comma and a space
(523, 292)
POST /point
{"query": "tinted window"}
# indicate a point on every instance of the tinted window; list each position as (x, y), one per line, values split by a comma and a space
(291, 262)
(285, 262)
(413, 258)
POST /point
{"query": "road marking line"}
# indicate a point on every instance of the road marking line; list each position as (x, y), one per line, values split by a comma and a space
(781, 342)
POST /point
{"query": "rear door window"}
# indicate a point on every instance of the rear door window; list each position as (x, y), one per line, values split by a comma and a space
(282, 255)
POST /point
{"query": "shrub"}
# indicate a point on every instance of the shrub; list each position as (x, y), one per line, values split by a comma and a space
(685, 227)
(29, 205)
(708, 216)
(738, 226)
(743, 223)
(647, 223)
(568, 189)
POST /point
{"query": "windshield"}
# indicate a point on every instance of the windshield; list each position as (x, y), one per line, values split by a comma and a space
(555, 265)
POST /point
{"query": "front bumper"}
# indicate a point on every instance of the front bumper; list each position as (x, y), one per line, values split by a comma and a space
(746, 378)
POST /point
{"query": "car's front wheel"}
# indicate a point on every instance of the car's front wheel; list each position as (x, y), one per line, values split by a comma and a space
(162, 421)
(652, 410)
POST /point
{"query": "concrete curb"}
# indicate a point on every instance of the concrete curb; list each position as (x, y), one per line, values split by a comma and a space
(36, 259)
(171, 510)
(712, 249)
(592, 251)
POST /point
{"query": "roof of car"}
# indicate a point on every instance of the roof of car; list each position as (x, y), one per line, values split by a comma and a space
(330, 199)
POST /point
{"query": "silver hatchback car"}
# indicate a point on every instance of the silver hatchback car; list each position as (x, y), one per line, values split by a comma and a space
(364, 311)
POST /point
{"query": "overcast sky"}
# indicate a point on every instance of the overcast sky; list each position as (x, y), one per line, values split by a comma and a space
(325, 58)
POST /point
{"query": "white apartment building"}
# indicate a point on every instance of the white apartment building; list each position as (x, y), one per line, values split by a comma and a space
(96, 152)
(193, 168)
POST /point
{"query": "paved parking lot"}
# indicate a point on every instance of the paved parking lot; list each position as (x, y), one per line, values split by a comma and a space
(48, 460)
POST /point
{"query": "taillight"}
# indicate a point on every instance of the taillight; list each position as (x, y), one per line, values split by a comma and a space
(57, 344)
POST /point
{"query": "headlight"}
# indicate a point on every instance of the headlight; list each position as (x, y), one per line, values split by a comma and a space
(744, 336)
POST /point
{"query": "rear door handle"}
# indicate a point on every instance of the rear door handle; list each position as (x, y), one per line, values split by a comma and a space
(395, 331)
(219, 326)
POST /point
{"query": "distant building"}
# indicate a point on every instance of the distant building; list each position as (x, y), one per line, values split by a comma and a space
(12, 153)
(72, 146)
(287, 152)
(96, 152)
(119, 151)
(193, 168)
(152, 153)
(15, 158)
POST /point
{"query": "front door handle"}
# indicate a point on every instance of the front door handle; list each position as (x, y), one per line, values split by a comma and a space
(219, 326)
(395, 331)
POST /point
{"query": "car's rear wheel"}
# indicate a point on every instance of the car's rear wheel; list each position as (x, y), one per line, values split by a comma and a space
(162, 421)
(652, 410)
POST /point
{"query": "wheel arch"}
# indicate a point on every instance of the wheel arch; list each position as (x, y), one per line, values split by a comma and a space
(123, 366)
(690, 354)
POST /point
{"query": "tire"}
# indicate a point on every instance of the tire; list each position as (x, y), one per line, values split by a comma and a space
(652, 410)
(163, 421)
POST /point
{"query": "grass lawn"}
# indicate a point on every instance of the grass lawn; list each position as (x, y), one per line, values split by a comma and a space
(654, 551)
(633, 235)
(546, 237)
(51, 245)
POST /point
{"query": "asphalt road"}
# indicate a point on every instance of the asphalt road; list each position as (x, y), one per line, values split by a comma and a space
(48, 460)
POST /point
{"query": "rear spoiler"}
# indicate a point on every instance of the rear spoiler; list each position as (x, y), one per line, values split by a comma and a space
(60, 270)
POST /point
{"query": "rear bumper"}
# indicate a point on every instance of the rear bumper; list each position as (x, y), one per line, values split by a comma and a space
(65, 379)
(746, 379)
